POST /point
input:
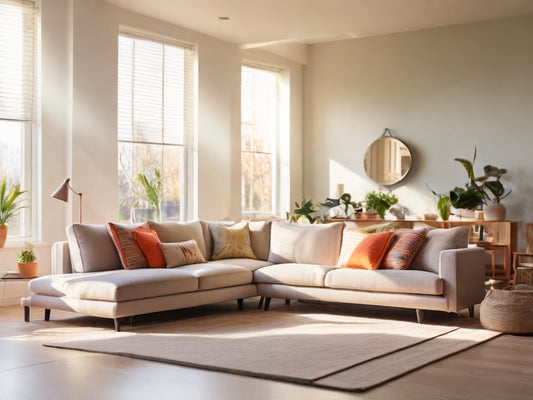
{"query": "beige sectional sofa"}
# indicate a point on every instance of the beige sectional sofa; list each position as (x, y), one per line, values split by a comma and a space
(293, 262)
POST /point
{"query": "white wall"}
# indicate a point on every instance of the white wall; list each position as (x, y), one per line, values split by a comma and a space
(442, 91)
(79, 80)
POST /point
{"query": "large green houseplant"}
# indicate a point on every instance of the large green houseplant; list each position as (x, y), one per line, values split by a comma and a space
(9, 206)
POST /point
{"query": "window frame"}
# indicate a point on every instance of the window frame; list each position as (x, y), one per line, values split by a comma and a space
(276, 154)
(189, 114)
(29, 122)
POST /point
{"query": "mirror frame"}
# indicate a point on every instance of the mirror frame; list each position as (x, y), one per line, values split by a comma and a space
(388, 136)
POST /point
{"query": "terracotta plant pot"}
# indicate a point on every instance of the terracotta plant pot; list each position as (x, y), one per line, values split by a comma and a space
(3, 235)
(28, 270)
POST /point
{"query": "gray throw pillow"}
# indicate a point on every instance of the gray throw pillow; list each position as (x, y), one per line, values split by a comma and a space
(91, 248)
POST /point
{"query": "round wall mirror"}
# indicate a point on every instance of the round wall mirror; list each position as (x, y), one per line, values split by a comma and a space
(387, 160)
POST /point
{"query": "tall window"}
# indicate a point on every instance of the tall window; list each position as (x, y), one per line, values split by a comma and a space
(17, 70)
(155, 123)
(259, 140)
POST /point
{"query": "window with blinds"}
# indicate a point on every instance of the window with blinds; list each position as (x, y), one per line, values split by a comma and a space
(17, 81)
(259, 139)
(155, 124)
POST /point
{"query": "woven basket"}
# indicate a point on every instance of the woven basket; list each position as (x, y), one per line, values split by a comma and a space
(509, 311)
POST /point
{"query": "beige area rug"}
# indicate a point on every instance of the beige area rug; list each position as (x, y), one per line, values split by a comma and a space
(343, 352)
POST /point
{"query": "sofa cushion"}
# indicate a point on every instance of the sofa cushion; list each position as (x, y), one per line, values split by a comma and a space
(437, 240)
(129, 252)
(293, 274)
(307, 244)
(247, 263)
(119, 285)
(231, 241)
(148, 241)
(91, 248)
(182, 253)
(260, 238)
(174, 232)
(369, 253)
(213, 275)
(351, 237)
(404, 246)
(385, 280)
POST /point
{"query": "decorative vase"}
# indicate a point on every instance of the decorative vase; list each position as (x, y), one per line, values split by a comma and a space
(463, 213)
(369, 215)
(28, 270)
(3, 235)
(494, 212)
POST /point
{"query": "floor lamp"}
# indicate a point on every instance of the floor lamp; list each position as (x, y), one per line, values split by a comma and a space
(61, 193)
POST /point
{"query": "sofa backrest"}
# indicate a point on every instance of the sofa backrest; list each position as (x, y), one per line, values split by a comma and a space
(437, 240)
(307, 244)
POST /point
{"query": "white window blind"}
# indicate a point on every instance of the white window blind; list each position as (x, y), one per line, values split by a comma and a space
(17, 81)
(259, 139)
(155, 122)
(17, 37)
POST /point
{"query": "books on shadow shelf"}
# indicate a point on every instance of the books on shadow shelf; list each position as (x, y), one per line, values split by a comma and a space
(10, 275)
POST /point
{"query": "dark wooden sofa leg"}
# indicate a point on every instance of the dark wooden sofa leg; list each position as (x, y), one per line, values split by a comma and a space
(47, 314)
(267, 303)
(26, 314)
(260, 305)
(419, 316)
(117, 324)
(287, 302)
(471, 311)
(240, 304)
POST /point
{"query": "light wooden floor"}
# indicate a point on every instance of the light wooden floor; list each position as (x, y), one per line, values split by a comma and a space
(499, 369)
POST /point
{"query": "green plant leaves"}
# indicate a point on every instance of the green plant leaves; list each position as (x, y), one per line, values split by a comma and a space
(9, 204)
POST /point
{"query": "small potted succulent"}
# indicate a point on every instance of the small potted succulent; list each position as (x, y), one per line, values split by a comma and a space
(27, 261)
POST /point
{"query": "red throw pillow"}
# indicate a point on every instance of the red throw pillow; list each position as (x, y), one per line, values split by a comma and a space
(405, 244)
(369, 253)
(149, 243)
(131, 256)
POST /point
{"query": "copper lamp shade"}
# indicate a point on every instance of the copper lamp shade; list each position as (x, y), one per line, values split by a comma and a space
(61, 193)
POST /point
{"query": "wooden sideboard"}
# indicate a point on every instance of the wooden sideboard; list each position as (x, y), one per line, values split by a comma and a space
(499, 238)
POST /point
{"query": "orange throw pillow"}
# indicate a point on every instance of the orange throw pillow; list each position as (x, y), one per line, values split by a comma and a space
(369, 253)
(148, 241)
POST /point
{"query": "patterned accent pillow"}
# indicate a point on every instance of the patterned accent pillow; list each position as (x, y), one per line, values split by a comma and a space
(182, 253)
(369, 253)
(231, 241)
(351, 237)
(148, 241)
(129, 252)
(405, 244)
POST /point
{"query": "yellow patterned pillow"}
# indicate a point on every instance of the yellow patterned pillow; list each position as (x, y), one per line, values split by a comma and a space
(232, 241)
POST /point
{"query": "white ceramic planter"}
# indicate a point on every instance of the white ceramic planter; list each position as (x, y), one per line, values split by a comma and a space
(494, 212)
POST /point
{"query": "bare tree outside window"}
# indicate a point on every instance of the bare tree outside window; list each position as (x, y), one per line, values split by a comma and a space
(259, 139)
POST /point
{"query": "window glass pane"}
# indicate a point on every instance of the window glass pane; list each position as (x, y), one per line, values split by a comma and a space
(257, 182)
(11, 137)
(259, 138)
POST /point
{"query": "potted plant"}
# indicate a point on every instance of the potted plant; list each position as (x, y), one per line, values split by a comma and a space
(380, 201)
(494, 210)
(27, 261)
(443, 205)
(478, 189)
(153, 190)
(306, 209)
(9, 206)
